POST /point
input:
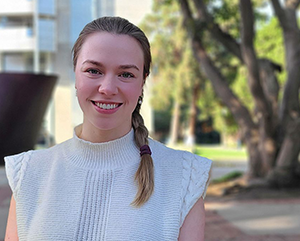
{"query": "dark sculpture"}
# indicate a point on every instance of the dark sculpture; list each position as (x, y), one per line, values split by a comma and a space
(23, 102)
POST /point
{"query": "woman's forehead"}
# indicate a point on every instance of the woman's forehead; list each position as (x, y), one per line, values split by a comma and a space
(104, 45)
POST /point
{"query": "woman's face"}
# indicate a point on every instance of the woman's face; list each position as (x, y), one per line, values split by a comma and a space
(109, 81)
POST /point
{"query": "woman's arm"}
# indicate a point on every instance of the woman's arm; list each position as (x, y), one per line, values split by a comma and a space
(11, 228)
(192, 228)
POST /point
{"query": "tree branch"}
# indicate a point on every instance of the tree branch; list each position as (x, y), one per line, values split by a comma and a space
(240, 112)
(279, 11)
(270, 87)
(247, 18)
(292, 4)
(288, 21)
(224, 38)
(185, 8)
(249, 56)
(228, 42)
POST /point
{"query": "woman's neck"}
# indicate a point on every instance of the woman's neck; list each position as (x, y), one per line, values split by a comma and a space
(92, 134)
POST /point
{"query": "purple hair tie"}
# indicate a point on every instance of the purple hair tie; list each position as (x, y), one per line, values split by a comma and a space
(145, 149)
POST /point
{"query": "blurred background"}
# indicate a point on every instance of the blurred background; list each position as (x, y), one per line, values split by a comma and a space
(224, 84)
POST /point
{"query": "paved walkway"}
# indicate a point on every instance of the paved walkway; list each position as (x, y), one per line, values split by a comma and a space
(256, 220)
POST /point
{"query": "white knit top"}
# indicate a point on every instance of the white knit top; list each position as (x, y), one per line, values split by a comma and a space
(79, 190)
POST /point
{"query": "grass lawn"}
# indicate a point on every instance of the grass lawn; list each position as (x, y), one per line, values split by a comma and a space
(219, 153)
(215, 152)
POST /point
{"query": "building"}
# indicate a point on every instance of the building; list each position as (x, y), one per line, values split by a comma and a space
(27, 35)
(38, 35)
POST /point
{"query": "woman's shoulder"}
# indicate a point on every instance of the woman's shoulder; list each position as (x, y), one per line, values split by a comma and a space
(166, 154)
(189, 171)
(193, 170)
(36, 154)
(159, 149)
(17, 165)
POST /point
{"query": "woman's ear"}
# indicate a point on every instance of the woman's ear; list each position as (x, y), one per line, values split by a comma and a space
(142, 91)
(76, 87)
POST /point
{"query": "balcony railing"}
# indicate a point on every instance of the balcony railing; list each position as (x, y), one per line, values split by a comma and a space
(26, 7)
(16, 39)
(16, 7)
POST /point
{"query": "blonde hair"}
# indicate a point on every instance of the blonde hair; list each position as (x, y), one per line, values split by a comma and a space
(144, 176)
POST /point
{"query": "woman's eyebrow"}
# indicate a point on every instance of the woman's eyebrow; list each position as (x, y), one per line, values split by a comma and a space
(125, 66)
(129, 66)
(92, 62)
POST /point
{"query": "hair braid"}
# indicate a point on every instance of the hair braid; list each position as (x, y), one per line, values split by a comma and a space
(144, 176)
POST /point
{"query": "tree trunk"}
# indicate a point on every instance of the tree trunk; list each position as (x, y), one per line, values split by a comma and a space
(190, 138)
(264, 113)
(272, 140)
(249, 130)
(255, 161)
(175, 123)
(285, 172)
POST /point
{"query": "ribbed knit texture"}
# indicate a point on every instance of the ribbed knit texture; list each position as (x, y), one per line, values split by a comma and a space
(79, 190)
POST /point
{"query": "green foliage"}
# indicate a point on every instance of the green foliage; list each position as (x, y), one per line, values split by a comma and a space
(241, 88)
(162, 121)
(269, 44)
(226, 14)
(174, 71)
(207, 102)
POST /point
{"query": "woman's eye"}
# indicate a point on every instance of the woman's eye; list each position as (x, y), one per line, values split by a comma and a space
(126, 75)
(93, 71)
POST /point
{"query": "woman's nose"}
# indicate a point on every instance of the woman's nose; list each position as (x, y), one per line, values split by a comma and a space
(108, 86)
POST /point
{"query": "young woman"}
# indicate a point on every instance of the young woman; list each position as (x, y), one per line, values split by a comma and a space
(110, 181)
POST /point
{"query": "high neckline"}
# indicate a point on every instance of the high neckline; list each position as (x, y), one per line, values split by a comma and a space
(104, 156)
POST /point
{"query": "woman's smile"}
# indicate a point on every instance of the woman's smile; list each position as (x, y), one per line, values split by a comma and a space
(106, 107)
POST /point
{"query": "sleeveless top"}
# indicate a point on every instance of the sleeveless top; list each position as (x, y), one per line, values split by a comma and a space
(78, 190)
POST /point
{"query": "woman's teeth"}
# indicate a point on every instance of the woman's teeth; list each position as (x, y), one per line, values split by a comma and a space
(106, 106)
